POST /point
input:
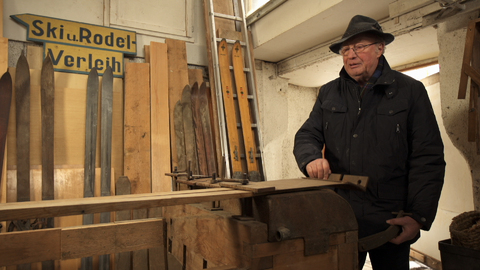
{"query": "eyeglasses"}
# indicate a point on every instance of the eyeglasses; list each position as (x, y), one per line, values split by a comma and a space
(356, 48)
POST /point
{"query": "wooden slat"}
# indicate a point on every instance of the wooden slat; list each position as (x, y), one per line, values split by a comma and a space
(29, 246)
(467, 56)
(3, 69)
(107, 238)
(195, 75)
(137, 127)
(160, 141)
(177, 79)
(14, 211)
(81, 241)
(123, 259)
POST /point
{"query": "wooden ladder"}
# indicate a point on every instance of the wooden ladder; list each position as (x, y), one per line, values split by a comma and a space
(471, 69)
(231, 28)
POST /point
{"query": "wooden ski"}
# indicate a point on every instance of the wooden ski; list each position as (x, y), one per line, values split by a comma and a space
(198, 128)
(91, 122)
(179, 137)
(188, 130)
(205, 119)
(22, 106)
(106, 149)
(47, 104)
(245, 116)
(5, 102)
(229, 106)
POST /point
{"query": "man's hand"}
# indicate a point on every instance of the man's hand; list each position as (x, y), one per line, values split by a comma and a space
(319, 168)
(410, 229)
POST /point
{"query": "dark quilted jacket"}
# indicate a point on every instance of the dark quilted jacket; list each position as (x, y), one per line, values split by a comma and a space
(391, 135)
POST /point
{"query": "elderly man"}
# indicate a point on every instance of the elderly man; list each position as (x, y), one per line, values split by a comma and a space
(376, 122)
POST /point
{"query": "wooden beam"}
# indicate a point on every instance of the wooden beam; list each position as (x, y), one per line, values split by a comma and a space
(26, 210)
(85, 241)
(82, 241)
(29, 246)
(137, 127)
(160, 118)
(177, 79)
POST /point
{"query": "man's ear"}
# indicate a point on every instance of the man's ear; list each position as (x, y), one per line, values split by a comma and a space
(380, 49)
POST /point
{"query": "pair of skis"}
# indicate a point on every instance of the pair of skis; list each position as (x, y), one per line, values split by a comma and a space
(234, 142)
(91, 123)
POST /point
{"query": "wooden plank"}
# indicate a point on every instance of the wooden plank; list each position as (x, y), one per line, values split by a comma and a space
(177, 79)
(160, 134)
(107, 238)
(122, 187)
(467, 56)
(3, 54)
(195, 75)
(137, 127)
(137, 166)
(35, 56)
(14, 211)
(3, 69)
(82, 241)
(29, 246)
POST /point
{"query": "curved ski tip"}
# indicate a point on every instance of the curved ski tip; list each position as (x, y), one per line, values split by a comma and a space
(108, 72)
(6, 78)
(22, 61)
(93, 72)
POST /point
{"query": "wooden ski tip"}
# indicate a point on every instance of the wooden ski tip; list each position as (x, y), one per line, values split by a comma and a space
(47, 61)
(93, 72)
(22, 62)
(6, 80)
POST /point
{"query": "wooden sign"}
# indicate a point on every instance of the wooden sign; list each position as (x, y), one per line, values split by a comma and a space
(81, 60)
(78, 47)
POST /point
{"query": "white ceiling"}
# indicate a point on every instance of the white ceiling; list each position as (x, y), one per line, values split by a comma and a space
(301, 51)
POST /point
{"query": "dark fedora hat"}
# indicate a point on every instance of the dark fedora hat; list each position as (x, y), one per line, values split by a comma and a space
(361, 24)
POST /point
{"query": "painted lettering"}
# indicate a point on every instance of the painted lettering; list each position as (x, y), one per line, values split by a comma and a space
(80, 60)
(69, 61)
(71, 38)
(120, 42)
(55, 60)
(36, 24)
(85, 34)
(99, 64)
(61, 32)
(98, 39)
(109, 40)
(51, 30)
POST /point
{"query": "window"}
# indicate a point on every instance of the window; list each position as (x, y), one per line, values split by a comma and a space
(252, 5)
(422, 72)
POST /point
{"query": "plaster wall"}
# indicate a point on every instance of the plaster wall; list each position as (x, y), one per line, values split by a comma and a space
(282, 108)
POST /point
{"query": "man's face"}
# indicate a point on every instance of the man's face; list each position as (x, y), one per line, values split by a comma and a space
(361, 65)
